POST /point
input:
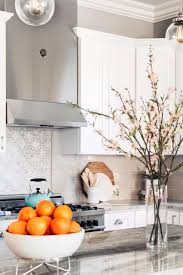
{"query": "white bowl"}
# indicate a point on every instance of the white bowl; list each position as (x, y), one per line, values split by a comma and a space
(44, 247)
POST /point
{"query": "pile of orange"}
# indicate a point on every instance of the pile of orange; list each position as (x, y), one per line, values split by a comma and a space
(46, 219)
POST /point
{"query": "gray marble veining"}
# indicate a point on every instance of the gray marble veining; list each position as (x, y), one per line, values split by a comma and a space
(115, 253)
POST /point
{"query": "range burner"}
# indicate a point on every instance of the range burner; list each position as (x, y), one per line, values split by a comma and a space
(82, 207)
(91, 218)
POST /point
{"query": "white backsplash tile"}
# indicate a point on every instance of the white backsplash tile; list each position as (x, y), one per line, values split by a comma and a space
(28, 155)
(66, 171)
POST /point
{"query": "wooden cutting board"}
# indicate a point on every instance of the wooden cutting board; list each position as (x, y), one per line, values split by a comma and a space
(100, 167)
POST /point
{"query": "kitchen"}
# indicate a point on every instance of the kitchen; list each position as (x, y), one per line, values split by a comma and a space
(85, 47)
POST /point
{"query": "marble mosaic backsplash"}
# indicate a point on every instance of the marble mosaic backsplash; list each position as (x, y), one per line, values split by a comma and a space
(28, 155)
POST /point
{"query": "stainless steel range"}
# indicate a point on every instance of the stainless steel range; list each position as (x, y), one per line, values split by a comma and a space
(91, 218)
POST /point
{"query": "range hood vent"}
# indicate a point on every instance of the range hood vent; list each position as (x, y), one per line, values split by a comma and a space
(43, 114)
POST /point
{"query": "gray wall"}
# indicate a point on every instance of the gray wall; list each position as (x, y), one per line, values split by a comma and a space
(161, 27)
(108, 22)
(53, 78)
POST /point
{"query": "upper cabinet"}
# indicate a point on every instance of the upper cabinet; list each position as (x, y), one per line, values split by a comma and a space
(164, 67)
(105, 61)
(4, 17)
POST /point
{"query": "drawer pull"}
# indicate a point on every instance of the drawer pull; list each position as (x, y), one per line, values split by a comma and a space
(118, 222)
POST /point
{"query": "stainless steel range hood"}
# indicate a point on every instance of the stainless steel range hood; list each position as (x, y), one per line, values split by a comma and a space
(38, 85)
(43, 114)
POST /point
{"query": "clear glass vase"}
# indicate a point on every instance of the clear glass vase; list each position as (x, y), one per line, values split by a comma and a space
(156, 214)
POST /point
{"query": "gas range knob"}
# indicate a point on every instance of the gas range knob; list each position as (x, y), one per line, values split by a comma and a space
(83, 224)
(89, 223)
(95, 222)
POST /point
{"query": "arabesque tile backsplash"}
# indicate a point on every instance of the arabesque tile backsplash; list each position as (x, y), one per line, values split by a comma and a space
(29, 154)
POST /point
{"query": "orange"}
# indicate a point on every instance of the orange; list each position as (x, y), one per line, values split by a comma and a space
(26, 213)
(60, 226)
(63, 211)
(37, 226)
(18, 227)
(45, 208)
(48, 220)
(74, 227)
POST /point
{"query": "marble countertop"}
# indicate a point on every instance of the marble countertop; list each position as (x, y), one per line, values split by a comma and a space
(119, 205)
(115, 253)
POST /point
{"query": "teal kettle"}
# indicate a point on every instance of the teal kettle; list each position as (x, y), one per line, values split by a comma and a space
(34, 198)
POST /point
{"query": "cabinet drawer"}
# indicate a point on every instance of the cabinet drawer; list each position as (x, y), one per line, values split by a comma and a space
(119, 220)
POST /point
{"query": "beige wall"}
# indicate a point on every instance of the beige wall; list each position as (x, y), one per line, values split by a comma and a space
(112, 23)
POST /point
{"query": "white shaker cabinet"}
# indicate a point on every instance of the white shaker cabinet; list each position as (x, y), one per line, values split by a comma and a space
(4, 17)
(164, 67)
(104, 61)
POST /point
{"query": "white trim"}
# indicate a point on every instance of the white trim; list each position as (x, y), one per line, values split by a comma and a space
(5, 16)
(121, 7)
(84, 33)
(166, 10)
(135, 9)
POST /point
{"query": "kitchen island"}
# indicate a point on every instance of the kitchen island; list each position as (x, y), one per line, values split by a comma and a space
(114, 253)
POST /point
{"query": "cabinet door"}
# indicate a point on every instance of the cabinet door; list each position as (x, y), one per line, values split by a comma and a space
(173, 217)
(164, 67)
(179, 79)
(140, 218)
(181, 218)
(4, 16)
(104, 62)
(119, 72)
(91, 93)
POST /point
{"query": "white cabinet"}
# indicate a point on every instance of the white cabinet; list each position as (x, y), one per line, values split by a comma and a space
(105, 61)
(4, 17)
(164, 67)
(119, 220)
(140, 218)
(173, 217)
(181, 218)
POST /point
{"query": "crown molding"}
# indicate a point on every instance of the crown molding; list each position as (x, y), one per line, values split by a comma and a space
(166, 10)
(5, 16)
(135, 9)
(121, 7)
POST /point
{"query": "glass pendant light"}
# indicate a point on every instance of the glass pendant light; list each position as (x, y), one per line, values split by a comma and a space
(35, 12)
(175, 30)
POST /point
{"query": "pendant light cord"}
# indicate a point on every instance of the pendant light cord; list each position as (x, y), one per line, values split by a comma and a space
(181, 5)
